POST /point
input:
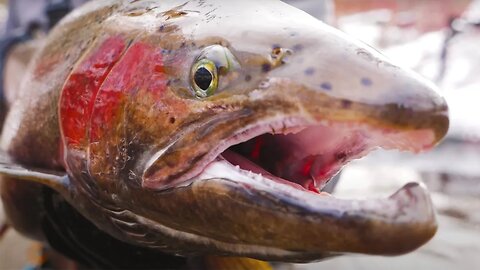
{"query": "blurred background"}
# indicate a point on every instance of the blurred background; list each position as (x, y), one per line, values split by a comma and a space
(440, 39)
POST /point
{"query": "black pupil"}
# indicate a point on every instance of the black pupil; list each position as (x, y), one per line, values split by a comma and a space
(203, 78)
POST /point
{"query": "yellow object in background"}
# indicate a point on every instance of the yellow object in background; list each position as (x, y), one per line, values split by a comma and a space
(234, 263)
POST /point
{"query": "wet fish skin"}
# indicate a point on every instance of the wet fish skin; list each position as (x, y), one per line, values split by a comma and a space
(113, 106)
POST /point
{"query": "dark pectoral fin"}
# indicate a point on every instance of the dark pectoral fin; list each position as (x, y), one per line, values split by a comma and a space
(56, 180)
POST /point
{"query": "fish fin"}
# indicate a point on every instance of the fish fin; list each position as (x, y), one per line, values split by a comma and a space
(234, 263)
(54, 179)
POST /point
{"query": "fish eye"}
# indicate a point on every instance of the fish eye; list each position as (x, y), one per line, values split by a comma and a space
(205, 78)
(214, 63)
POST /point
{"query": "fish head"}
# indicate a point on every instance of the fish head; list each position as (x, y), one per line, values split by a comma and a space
(249, 110)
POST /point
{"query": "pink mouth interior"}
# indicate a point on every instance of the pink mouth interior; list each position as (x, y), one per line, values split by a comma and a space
(314, 155)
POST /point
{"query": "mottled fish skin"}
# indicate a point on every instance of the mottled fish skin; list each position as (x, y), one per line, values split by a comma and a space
(109, 100)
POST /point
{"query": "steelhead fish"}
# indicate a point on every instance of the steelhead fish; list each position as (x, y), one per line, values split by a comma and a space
(210, 127)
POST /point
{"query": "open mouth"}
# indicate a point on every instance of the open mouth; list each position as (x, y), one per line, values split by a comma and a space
(273, 173)
(308, 157)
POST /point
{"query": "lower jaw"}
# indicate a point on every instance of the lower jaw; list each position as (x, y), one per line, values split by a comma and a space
(395, 225)
(240, 175)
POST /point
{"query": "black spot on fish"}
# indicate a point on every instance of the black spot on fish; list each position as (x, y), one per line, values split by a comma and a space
(326, 86)
(248, 77)
(346, 104)
(298, 47)
(172, 120)
(367, 82)
(266, 67)
(309, 71)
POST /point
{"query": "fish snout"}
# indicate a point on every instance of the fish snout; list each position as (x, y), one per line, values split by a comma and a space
(336, 78)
